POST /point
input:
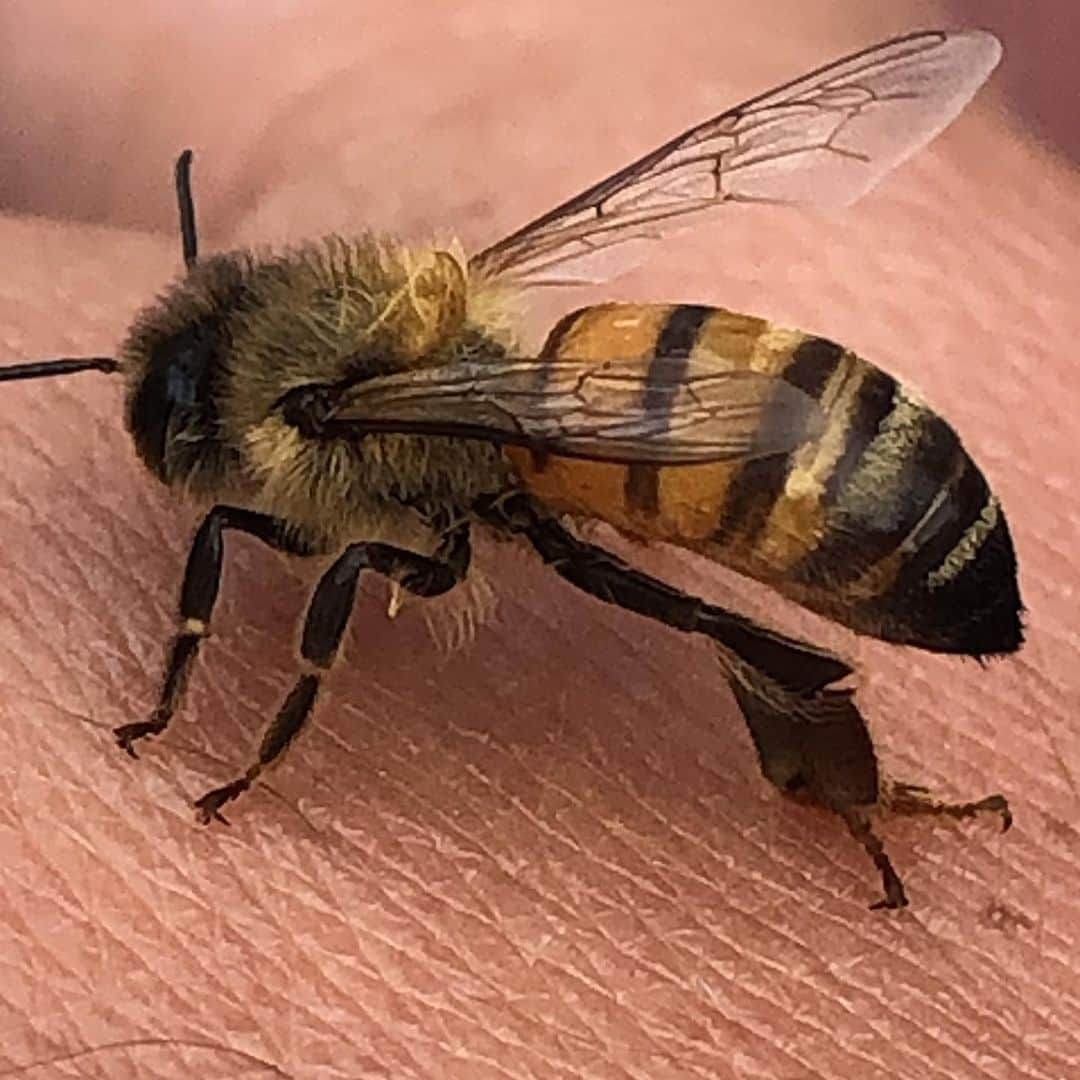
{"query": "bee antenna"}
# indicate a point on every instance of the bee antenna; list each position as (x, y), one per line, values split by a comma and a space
(71, 365)
(186, 203)
(37, 369)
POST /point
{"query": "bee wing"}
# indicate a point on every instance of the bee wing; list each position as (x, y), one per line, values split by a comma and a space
(823, 140)
(661, 409)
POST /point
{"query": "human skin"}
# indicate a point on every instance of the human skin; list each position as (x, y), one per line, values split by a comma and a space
(551, 853)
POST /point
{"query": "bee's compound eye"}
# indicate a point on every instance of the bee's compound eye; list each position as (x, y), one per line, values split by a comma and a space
(182, 379)
(182, 365)
(174, 394)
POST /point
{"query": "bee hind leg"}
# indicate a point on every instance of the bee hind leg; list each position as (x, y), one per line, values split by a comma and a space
(324, 626)
(911, 800)
(817, 749)
(792, 664)
(812, 741)
(858, 823)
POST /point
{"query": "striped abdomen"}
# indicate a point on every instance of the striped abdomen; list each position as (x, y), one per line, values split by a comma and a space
(882, 522)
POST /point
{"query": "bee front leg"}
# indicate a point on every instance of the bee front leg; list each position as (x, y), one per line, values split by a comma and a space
(327, 616)
(202, 580)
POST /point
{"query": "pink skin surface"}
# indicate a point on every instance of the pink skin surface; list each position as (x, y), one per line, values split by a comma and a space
(551, 854)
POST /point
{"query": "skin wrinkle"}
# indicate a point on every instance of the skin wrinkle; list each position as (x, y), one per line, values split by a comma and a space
(591, 825)
(571, 797)
(402, 789)
(226, 1053)
(670, 975)
(413, 880)
(443, 940)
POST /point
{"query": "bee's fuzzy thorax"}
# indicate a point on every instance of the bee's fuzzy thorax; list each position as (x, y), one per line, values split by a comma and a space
(209, 363)
(340, 309)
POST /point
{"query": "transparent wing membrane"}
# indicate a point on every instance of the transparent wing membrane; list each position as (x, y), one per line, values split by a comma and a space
(822, 140)
(667, 410)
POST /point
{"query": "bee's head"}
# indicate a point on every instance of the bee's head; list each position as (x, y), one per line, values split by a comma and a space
(173, 362)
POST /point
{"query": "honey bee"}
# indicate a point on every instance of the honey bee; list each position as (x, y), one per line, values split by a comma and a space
(367, 401)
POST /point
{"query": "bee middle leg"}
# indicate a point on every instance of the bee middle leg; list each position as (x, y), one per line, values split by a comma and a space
(327, 616)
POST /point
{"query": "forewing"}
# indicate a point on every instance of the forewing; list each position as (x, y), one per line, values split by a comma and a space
(823, 140)
(666, 410)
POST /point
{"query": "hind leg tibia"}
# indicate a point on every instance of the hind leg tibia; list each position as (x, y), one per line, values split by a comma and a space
(816, 748)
